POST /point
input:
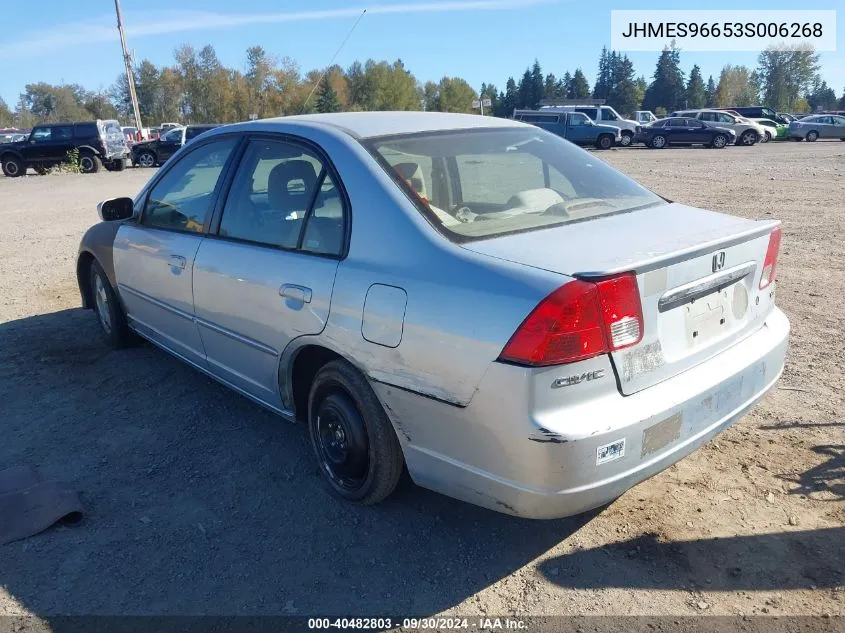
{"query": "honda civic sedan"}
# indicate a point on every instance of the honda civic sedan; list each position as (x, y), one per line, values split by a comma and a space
(471, 299)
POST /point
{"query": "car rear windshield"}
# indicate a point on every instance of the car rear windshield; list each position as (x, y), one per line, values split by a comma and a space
(481, 183)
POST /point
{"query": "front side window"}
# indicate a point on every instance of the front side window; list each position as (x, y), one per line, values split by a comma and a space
(577, 119)
(181, 200)
(725, 118)
(491, 182)
(280, 190)
(174, 136)
(41, 134)
(609, 115)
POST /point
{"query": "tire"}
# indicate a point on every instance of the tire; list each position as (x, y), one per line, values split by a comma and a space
(89, 163)
(14, 167)
(605, 141)
(720, 141)
(812, 136)
(748, 138)
(658, 141)
(766, 137)
(146, 159)
(41, 170)
(353, 440)
(627, 139)
(108, 309)
(115, 165)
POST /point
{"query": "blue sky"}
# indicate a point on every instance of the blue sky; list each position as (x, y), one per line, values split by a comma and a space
(481, 40)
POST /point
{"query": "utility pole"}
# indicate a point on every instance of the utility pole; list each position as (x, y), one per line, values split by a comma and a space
(127, 60)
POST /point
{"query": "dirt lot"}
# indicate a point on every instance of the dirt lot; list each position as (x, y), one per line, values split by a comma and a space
(200, 502)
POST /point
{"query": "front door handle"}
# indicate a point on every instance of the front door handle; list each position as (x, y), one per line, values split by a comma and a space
(297, 293)
(177, 261)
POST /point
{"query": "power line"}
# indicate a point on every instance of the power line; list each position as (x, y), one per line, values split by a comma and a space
(319, 81)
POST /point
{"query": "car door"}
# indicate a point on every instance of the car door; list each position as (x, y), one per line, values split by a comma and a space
(837, 127)
(154, 255)
(826, 127)
(697, 132)
(579, 128)
(676, 131)
(41, 146)
(265, 275)
(169, 144)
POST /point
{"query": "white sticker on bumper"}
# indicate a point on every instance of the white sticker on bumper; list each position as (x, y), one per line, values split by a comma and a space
(610, 452)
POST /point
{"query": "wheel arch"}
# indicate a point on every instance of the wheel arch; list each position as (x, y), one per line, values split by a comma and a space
(9, 153)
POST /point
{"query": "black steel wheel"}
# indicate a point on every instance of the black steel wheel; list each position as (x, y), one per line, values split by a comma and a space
(356, 447)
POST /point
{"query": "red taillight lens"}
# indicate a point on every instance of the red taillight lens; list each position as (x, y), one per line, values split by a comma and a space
(577, 321)
(770, 264)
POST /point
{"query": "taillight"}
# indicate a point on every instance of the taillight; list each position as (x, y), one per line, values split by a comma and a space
(770, 264)
(577, 321)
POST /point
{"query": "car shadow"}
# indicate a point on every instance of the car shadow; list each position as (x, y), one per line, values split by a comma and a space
(750, 562)
(199, 502)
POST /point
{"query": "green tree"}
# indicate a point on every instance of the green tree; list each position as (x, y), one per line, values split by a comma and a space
(601, 90)
(550, 87)
(509, 99)
(841, 105)
(667, 88)
(430, 96)
(327, 100)
(786, 74)
(7, 118)
(489, 91)
(822, 97)
(564, 86)
(525, 94)
(454, 95)
(579, 88)
(696, 94)
(737, 87)
(710, 93)
(537, 85)
(623, 91)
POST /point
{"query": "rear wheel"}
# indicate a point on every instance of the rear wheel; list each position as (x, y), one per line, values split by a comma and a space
(13, 167)
(89, 163)
(766, 137)
(658, 141)
(812, 136)
(749, 137)
(720, 141)
(353, 440)
(147, 159)
(41, 170)
(627, 139)
(605, 141)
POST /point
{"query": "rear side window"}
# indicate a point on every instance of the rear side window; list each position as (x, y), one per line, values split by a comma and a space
(181, 200)
(85, 130)
(193, 132)
(283, 196)
(590, 112)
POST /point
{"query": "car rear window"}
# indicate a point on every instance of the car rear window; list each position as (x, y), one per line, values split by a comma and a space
(477, 184)
(85, 130)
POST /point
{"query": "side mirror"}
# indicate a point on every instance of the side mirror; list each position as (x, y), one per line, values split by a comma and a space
(115, 209)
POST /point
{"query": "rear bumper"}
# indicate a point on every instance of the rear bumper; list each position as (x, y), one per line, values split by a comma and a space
(554, 463)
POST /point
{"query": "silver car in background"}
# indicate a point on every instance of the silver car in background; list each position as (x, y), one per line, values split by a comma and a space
(471, 298)
(812, 128)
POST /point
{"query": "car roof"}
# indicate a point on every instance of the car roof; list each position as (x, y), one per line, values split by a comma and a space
(369, 124)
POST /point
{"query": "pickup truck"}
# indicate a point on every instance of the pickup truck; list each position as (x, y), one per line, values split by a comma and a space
(573, 126)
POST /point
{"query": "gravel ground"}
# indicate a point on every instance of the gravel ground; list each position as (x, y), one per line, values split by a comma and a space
(200, 502)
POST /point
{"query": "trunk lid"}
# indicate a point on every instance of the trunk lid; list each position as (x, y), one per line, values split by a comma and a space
(698, 274)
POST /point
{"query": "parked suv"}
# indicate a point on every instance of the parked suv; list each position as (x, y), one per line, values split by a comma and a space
(747, 132)
(99, 143)
(573, 126)
(157, 151)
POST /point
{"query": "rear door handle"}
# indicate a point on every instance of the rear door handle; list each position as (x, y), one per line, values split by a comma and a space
(297, 293)
(177, 261)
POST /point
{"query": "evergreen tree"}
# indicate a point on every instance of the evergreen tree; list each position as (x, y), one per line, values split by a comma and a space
(696, 94)
(550, 87)
(603, 78)
(509, 99)
(841, 105)
(525, 96)
(579, 88)
(623, 91)
(667, 89)
(327, 100)
(537, 85)
(564, 86)
(710, 93)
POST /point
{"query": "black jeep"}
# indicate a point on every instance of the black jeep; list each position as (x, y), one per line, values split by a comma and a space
(98, 143)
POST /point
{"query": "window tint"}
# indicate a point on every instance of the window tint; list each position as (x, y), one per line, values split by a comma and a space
(193, 132)
(271, 194)
(85, 130)
(676, 123)
(838, 120)
(708, 116)
(608, 115)
(174, 136)
(62, 132)
(590, 112)
(576, 119)
(721, 117)
(181, 200)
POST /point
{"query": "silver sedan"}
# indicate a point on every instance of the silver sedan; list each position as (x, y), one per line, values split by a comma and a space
(469, 298)
(812, 128)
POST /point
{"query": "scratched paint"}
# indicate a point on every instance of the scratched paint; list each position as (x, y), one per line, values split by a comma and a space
(642, 359)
